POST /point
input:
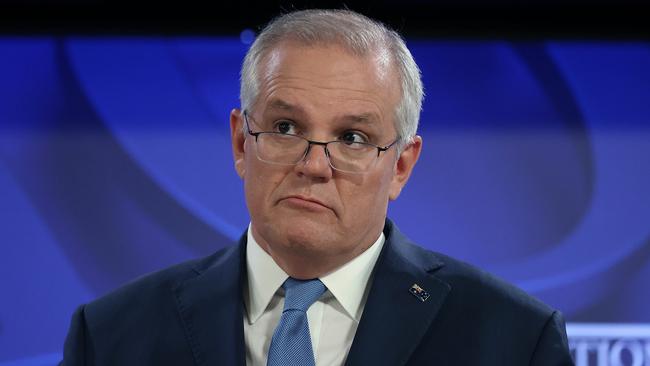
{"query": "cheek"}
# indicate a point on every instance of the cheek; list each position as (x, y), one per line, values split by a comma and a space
(365, 198)
(254, 184)
(260, 181)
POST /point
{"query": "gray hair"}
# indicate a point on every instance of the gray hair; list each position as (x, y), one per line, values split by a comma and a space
(357, 34)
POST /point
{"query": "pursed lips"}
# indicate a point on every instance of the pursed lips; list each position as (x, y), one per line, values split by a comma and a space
(299, 198)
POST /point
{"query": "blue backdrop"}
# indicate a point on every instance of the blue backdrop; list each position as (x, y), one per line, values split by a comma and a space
(115, 161)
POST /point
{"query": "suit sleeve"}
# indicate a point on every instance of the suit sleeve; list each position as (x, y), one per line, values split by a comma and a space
(552, 346)
(76, 351)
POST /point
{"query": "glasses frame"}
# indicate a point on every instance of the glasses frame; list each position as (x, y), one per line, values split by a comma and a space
(379, 148)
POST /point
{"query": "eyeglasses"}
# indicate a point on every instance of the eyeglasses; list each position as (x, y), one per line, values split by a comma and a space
(289, 149)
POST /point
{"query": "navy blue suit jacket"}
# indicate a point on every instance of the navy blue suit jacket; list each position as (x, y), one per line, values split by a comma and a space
(191, 314)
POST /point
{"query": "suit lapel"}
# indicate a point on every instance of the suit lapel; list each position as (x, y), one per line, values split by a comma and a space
(394, 320)
(210, 305)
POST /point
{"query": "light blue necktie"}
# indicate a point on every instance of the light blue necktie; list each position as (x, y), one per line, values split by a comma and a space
(291, 343)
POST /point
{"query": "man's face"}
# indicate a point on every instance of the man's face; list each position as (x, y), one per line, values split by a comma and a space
(310, 212)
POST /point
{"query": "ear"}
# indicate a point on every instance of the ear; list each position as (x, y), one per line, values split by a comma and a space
(238, 140)
(404, 166)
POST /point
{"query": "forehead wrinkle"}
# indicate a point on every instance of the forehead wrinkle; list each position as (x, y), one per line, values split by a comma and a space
(280, 81)
(380, 58)
(277, 102)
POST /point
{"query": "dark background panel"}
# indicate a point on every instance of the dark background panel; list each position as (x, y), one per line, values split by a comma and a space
(440, 18)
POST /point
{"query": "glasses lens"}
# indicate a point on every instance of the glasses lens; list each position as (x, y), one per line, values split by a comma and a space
(351, 157)
(280, 148)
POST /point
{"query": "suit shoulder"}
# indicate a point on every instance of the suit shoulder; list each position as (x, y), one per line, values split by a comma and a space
(498, 322)
(472, 290)
(149, 291)
(474, 285)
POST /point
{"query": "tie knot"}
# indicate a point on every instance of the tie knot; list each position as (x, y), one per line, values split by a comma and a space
(300, 294)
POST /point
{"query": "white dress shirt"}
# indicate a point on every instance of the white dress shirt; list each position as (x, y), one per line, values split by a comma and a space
(333, 319)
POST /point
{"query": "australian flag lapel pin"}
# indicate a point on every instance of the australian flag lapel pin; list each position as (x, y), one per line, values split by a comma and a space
(419, 292)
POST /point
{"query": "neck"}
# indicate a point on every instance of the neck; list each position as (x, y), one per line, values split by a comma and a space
(305, 262)
(308, 265)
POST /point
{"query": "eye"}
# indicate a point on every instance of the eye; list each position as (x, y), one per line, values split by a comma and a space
(353, 136)
(284, 126)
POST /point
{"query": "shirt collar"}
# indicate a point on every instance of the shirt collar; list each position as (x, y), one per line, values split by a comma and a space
(264, 278)
(348, 284)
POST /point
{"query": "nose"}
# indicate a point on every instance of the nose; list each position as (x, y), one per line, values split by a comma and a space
(315, 163)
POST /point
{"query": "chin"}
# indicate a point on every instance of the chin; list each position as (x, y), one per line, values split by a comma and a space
(306, 235)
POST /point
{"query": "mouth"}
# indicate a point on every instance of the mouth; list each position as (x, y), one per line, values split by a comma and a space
(307, 203)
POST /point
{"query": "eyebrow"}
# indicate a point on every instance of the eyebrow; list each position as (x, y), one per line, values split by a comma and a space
(280, 104)
(365, 118)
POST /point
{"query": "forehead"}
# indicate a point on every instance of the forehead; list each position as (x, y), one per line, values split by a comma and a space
(328, 80)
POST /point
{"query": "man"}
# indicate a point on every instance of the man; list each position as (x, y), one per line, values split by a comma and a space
(324, 139)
